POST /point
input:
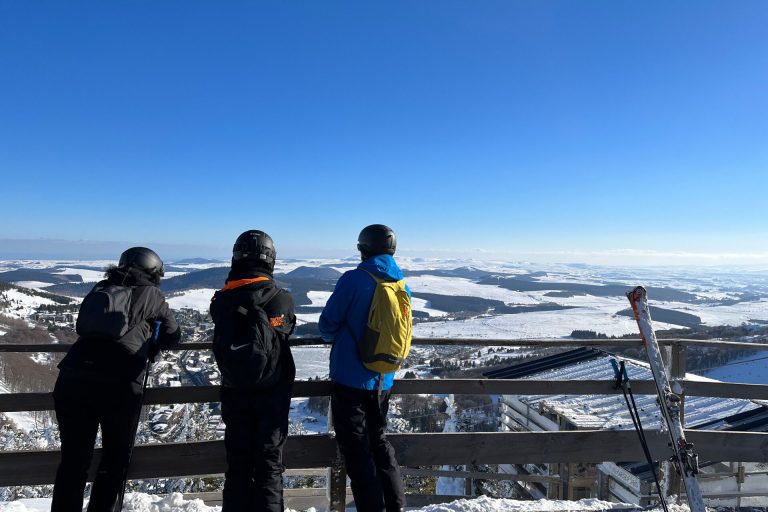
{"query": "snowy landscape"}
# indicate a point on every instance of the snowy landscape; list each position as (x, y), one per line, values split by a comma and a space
(451, 299)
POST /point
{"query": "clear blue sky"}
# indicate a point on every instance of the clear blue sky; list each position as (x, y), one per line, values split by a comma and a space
(510, 127)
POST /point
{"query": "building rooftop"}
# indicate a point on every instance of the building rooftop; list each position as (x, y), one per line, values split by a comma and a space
(610, 411)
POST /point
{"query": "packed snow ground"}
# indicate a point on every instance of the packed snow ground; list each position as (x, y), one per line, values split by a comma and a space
(138, 502)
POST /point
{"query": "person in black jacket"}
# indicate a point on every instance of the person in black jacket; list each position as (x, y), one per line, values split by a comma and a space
(254, 319)
(101, 380)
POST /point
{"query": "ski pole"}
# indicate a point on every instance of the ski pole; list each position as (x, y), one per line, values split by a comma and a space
(622, 381)
(137, 418)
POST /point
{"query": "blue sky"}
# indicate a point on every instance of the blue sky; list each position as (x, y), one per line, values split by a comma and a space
(512, 129)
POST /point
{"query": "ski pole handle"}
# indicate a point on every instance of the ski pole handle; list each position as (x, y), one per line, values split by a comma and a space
(616, 371)
(156, 332)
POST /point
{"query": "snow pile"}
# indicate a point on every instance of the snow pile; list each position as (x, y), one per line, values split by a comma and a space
(486, 504)
(134, 502)
(138, 502)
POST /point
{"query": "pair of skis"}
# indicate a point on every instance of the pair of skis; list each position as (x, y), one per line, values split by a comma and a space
(683, 456)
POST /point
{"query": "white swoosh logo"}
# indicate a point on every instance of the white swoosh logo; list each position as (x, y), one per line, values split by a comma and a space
(232, 347)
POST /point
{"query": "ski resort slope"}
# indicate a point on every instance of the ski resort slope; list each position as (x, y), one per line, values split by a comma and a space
(138, 502)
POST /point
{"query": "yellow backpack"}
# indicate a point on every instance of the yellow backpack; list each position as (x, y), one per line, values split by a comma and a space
(387, 338)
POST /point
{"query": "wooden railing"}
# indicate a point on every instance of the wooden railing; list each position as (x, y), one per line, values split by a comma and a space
(421, 449)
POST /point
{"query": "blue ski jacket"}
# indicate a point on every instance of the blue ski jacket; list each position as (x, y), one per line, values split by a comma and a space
(344, 319)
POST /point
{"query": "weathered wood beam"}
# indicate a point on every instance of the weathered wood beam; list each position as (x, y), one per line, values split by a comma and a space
(480, 476)
(471, 342)
(14, 402)
(204, 458)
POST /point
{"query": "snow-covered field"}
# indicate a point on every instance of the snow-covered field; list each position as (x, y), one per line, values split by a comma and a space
(87, 275)
(138, 502)
(33, 284)
(21, 305)
(311, 362)
(460, 286)
(538, 324)
(199, 299)
(424, 306)
(736, 314)
(592, 313)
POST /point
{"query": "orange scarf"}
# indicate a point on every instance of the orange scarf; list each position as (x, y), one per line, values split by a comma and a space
(242, 282)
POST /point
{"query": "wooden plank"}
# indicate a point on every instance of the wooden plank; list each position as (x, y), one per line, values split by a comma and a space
(480, 476)
(164, 460)
(315, 451)
(712, 445)
(14, 402)
(471, 342)
(297, 342)
(519, 447)
(724, 389)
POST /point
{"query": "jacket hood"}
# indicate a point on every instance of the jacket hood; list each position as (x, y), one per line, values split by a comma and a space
(382, 266)
(131, 277)
(239, 272)
(241, 269)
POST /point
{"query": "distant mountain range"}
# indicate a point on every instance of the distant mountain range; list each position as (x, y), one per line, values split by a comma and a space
(41, 275)
(526, 284)
(196, 261)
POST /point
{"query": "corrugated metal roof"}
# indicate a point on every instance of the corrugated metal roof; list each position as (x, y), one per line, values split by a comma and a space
(610, 411)
(544, 363)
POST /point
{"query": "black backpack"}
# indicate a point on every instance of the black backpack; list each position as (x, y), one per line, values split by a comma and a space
(106, 312)
(245, 345)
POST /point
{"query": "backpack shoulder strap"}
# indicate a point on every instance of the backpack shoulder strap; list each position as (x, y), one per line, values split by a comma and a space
(271, 295)
(136, 293)
(266, 299)
(377, 279)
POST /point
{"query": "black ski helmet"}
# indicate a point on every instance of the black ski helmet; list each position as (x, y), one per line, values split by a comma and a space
(142, 259)
(255, 246)
(376, 239)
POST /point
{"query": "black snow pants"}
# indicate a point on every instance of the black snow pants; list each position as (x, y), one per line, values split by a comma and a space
(360, 421)
(256, 429)
(81, 407)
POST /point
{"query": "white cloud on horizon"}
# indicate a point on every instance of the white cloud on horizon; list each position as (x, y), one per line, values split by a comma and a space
(625, 256)
(17, 249)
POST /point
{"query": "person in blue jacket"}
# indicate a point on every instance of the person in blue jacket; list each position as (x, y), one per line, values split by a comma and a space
(359, 401)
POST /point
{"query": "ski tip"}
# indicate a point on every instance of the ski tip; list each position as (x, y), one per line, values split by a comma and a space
(637, 293)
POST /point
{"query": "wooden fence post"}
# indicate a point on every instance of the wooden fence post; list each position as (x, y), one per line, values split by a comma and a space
(337, 475)
(677, 370)
(337, 485)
